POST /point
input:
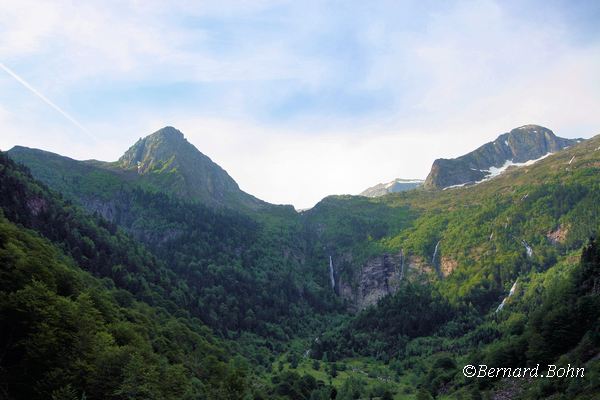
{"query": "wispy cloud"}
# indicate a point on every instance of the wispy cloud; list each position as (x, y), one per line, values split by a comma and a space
(343, 91)
(46, 100)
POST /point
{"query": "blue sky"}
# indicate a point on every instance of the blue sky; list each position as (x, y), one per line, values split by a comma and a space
(298, 100)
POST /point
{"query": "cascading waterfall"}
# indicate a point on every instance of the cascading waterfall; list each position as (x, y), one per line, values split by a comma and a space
(331, 275)
(401, 264)
(528, 249)
(512, 291)
(435, 251)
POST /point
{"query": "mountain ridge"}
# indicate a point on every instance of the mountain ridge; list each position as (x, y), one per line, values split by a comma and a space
(163, 161)
(522, 144)
(190, 173)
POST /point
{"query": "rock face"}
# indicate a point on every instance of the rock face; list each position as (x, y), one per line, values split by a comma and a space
(447, 266)
(397, 185)
(36, 205)
(381, 276)
(559, 235)
(377, 278)
(520, 145)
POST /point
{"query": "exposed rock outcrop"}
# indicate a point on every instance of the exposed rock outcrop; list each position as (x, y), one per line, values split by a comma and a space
(381, 276)
(447, 265)
(559, 235)
(36, 205)
(377, 278)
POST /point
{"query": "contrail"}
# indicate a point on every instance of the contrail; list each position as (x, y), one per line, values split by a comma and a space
(45, 99)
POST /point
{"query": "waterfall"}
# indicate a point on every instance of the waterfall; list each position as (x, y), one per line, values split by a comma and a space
(331, 276)
(528, 249)
(510, 293)
(401, 264)
(435, 253)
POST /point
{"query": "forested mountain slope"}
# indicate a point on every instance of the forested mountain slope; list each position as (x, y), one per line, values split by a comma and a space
(237, 272)
(85, 311)
(422, 272)
(526, 229)
(484, 234)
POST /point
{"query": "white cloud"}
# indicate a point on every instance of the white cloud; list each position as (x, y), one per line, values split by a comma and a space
(451, 78)
(300, 168)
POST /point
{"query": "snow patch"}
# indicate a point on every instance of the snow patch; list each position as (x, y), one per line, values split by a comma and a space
(457, 186)
(495, 171)
(392, 183)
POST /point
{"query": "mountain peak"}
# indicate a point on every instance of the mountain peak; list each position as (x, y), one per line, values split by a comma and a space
(157, 150)
(168, 132)
(532, 127)
(522, 144)
(166, 160)
(397, 185)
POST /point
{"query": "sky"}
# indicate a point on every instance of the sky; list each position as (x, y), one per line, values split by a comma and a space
(297, 100)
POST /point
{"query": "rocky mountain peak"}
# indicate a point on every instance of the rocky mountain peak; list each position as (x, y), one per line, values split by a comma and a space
(166, 159)
(520, 145)
(163, 146)
(530, 141)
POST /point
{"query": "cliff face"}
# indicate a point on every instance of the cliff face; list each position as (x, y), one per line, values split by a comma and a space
(520, 145)
(381, 276)
(378, 277)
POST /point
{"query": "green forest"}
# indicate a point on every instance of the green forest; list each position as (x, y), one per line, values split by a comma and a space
(113, 288)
